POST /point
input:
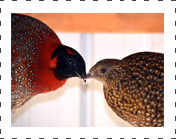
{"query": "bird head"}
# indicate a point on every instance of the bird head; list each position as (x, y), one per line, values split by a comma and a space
(104, 70)
(66, 63)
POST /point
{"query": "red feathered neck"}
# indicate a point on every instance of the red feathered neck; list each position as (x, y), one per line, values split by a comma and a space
(46, 81)
(32, 43)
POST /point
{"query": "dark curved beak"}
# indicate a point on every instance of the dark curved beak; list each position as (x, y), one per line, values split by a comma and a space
(82, 76)
(88, 75)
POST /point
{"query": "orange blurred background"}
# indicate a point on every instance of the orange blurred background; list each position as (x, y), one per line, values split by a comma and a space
(103, 22)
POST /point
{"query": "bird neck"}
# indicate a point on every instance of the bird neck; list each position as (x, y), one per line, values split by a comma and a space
(45, 80)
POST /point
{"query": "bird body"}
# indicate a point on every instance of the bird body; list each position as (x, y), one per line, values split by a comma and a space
(39, 61)
(134, 87)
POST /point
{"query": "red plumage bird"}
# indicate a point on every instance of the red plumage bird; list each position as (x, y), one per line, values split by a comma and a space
(39, 61)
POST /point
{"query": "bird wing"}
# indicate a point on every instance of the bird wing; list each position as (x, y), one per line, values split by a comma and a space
(28, 36)
(138, 97)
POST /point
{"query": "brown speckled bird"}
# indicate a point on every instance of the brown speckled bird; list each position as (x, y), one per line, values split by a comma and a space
(39, 61)
(134, 87)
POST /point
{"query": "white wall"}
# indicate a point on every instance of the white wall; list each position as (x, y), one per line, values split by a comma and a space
(65, 107)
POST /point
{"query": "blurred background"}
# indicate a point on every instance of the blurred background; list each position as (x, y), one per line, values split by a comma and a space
(95, 37)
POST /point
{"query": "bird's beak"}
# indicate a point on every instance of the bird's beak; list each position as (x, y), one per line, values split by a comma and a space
(88, 76)
(82, 77)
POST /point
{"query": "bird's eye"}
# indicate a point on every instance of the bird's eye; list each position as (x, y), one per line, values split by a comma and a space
(103, 70)
(71, 61)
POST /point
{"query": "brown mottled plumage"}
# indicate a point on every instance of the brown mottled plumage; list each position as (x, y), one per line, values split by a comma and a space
(134, 87)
